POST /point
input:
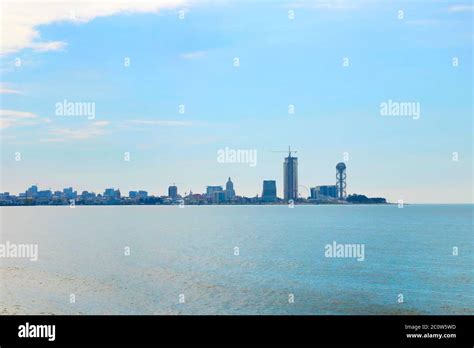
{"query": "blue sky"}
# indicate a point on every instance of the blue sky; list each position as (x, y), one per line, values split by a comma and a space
(189, 61)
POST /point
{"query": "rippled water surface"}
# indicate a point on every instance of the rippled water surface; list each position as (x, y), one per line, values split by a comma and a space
(191, 251)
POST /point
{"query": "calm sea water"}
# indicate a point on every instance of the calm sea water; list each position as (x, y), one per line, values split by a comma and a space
(191, 251)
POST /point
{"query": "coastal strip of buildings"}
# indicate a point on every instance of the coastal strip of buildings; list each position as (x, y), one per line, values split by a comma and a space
(325, 194)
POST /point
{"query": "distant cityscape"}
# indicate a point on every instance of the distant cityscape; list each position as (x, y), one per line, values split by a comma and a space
(325, 194)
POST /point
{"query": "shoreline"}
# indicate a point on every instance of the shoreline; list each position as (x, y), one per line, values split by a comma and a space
(202, 205)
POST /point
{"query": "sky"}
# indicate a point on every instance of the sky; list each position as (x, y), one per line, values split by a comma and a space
(333, 62)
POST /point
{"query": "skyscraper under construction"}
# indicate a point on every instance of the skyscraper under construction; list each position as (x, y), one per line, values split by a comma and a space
(290, 177)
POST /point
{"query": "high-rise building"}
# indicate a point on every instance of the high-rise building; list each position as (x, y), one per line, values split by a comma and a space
(137, 194)
(229, 190)
(325, 191)
(111, 193)
(173, 191)
(32, 191)
(88, 195)
(46, 194)
(211, 189)
(218, 197)
(69, 193)
(290, 177)
(269, 192)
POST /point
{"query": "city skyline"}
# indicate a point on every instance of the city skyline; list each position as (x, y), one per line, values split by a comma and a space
(172, 84)
(269, 188)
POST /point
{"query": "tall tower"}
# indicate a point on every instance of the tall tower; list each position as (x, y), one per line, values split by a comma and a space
(290, 177)
(173, 191)
(341, 180)
(229, 190)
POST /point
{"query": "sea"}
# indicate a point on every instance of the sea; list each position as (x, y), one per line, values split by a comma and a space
(239, 260)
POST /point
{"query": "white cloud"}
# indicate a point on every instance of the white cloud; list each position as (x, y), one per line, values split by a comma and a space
(21, 19)
(100, 123)
(93, 130)
(193, 55)
(9, 118)
(4, 89)
(324, 4)
(17, 114)
(461, 8)
(7, 122)
(48, 46)
(52, 140)
(161, 123)
(8, 91)
(423, 21)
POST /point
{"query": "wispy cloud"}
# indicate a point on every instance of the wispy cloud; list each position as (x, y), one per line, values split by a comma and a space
(9, 118)
(48, 46)
(100, 123)
(52, 140)
(4, 89)
(193, 55)
(323, 4)
(17, 114)
(461, 8)
(424, 21)
(161, 123)
(93, 130)
(21, 19)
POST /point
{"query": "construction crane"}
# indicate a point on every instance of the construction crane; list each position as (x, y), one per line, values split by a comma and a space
(175, 183)
(289, 151)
